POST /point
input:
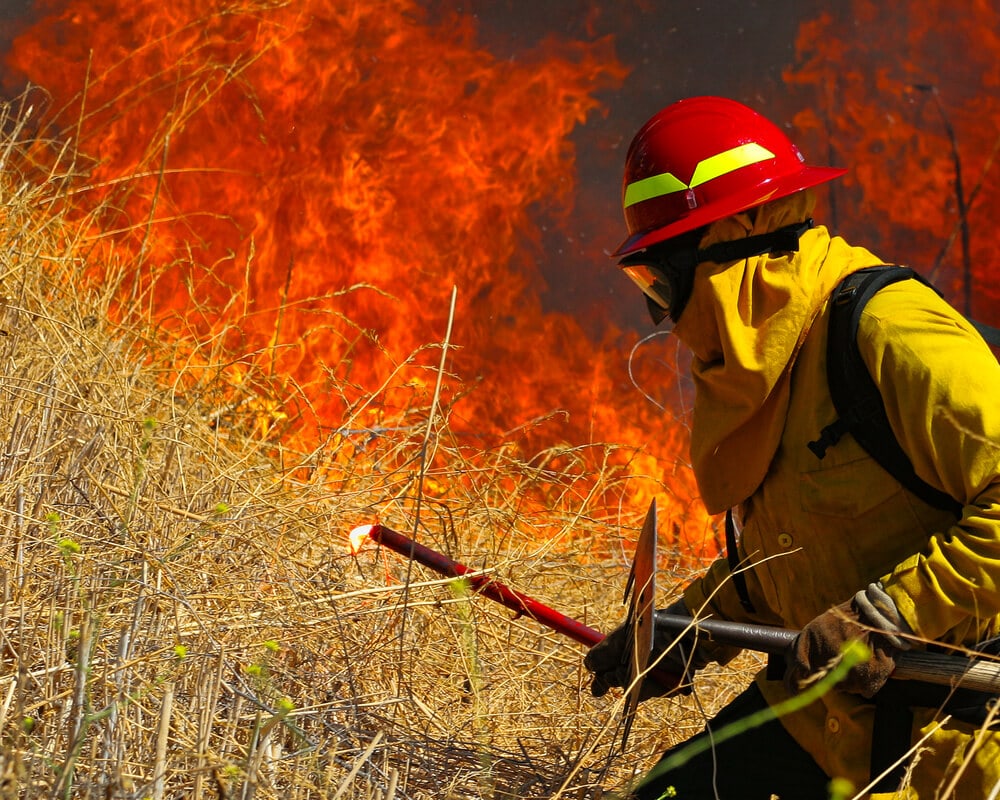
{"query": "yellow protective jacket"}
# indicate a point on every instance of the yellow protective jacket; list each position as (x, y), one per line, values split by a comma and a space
(816, 531)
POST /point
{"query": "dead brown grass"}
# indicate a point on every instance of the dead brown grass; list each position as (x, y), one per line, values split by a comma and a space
(180, 616)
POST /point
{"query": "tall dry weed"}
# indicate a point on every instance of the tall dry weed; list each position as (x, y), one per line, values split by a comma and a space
(180, 616)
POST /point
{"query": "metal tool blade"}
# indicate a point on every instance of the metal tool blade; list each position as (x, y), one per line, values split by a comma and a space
(640, 596)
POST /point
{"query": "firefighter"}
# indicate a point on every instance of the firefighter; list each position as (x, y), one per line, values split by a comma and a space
(718, 204)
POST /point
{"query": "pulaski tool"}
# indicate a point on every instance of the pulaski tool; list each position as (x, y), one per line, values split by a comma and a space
(979, 674)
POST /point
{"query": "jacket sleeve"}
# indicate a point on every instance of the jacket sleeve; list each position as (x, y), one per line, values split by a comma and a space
(713, 595)
(941, 387)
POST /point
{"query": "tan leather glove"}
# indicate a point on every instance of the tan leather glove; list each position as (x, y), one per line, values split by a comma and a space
(681, 657)
(818, 647)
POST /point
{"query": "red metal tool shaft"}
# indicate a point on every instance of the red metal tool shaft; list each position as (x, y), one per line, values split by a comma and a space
(519, 603)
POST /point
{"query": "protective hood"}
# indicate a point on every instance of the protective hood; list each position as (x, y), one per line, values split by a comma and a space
(745, 323)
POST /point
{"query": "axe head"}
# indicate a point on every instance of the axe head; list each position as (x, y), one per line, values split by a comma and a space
(640, 596)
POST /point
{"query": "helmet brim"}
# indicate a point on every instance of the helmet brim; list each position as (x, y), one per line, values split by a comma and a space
(805, 178)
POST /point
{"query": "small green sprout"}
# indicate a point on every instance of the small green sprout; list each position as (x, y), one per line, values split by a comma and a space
(180, 652)
(841, 789)
(854, 652)
(68, 547)
(148, 426)
(272, 645)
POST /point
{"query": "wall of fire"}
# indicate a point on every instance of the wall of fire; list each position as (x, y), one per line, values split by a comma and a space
(341, 166)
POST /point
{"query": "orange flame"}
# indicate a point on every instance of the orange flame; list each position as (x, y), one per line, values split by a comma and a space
(358, 537)
(307, 183)
(919, 137)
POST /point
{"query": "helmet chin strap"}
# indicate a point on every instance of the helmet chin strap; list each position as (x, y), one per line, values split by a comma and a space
(782, 239)
(684, 262)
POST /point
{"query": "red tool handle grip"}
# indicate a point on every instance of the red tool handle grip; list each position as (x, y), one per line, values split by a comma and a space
(519, 603)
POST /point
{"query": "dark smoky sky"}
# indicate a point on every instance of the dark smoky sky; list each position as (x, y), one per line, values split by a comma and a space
(13, 13)
(734, 48)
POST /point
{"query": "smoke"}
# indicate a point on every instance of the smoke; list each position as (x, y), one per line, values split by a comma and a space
(728, 48)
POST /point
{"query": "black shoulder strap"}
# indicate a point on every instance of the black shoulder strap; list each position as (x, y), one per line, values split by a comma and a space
(855, 394)
(990, 334)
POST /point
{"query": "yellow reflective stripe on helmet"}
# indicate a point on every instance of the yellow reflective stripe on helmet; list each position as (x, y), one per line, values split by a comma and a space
(653, 186)
(712, 167)
(729, 161)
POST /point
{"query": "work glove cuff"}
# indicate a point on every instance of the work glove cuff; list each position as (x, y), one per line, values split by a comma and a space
(870, 616)
(878, 610)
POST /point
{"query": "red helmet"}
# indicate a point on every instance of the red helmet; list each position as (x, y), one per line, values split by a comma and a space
(702, 159)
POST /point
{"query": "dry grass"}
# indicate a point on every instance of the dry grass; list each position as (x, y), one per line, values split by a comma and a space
(180, 613)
